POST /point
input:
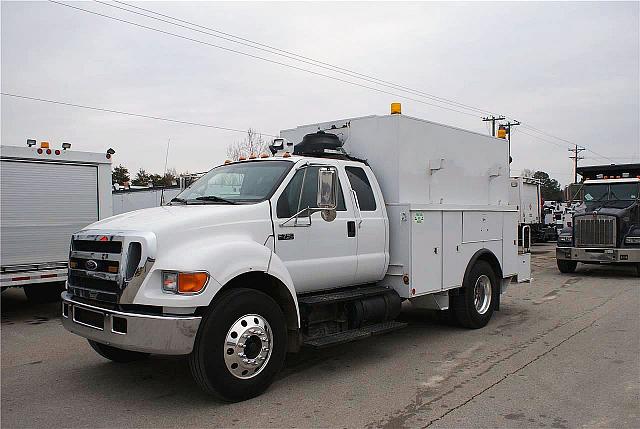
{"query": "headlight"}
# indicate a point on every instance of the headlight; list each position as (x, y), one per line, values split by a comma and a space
(632, 240)
(188, 283)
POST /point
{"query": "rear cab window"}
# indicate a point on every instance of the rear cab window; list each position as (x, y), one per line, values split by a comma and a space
(362, 187)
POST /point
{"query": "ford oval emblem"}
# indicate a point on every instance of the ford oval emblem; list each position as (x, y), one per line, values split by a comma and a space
(91, 265)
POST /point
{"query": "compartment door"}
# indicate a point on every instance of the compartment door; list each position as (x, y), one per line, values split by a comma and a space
(426, 251)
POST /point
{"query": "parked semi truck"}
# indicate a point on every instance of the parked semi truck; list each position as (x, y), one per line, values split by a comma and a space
(47, 194)
(314, 246)
(606, 226)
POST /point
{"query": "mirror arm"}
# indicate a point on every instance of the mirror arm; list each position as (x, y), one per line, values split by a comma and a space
(295, 216)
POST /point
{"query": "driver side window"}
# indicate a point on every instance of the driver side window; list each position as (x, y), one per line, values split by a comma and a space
(292, 200)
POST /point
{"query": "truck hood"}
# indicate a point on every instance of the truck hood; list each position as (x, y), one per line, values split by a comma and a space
(181, 219)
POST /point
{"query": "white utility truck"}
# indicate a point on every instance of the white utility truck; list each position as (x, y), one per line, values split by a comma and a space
(524, 192)
(47, 194)
(311, 248)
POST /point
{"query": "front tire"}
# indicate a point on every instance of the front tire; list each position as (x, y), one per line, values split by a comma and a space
(240, 346)
(474, 306)
(566, 267)
(115, 354)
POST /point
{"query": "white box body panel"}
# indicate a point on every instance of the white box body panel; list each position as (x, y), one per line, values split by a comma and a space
(422, 162)
(525, 194)
(45, 199)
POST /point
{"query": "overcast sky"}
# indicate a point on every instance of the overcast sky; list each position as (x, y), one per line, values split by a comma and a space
(570, 69)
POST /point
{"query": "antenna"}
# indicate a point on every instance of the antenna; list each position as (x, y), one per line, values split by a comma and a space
(166, 159)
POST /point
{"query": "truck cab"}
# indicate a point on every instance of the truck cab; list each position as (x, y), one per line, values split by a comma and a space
(300, 248)
(606, 226)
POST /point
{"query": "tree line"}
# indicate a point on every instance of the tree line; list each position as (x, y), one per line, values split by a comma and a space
(121, 176)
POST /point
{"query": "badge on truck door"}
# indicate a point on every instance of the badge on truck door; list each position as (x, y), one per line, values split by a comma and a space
(418, 217)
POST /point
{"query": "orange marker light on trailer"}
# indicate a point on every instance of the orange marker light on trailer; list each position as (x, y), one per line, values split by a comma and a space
(44, 145)
(264, 155)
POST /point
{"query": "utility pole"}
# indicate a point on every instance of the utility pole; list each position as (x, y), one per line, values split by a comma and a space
(576, 150)
(507, 127)
(493, 120)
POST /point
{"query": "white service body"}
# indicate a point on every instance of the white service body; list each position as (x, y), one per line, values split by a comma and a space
(45, 199)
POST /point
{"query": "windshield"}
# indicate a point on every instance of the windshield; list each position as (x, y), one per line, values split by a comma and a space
(618, 195)
(243, 182)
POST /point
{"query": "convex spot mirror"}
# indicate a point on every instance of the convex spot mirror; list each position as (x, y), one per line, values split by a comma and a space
(327, 188)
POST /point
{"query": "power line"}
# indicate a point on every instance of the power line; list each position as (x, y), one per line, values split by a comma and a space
(325, 65)
(306, 60)
(291, 55)
(259, 57)
(121, 112)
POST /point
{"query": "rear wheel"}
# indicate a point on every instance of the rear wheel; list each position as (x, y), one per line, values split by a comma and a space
(115, 354)
(44, 292)
(474, 306)
(240, 346)
(566, 266)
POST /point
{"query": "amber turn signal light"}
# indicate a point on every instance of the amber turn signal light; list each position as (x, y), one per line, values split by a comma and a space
(192, 282)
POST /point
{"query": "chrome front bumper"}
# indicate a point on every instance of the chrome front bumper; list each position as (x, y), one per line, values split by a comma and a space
(158, 334)
(598, 255)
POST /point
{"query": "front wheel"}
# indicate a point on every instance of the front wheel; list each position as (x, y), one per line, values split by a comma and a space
(115, 354)
(565, 266)
(240, 346)
(474, 306)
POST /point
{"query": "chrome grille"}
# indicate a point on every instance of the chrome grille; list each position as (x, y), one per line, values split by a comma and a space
(595, 231)
(95, 267)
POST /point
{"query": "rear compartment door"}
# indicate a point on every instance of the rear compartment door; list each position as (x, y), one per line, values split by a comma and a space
(42, 204)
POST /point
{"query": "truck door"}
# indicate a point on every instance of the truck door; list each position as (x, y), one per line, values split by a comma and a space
(319, 253)
(371, 228)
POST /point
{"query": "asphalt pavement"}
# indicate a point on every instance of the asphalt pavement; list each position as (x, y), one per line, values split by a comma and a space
(563, 352)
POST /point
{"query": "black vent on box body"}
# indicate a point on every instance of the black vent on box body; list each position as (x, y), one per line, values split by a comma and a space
(317, 144)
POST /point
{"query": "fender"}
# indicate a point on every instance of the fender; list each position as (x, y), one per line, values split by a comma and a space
(224, 258)
(278, 270)
(492, 259)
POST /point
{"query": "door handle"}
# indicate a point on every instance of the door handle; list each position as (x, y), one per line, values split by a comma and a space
(351, 228)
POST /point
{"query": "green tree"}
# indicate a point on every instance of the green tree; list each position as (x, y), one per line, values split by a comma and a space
(142, 178)
(550, 188)
(120, 175)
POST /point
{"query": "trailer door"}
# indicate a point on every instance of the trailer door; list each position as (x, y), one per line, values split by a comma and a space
(43, 203)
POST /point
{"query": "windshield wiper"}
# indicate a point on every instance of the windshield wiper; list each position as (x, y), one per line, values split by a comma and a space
(216, 199)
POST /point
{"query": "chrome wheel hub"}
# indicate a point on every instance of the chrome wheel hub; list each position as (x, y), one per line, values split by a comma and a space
(248, 346)
(482, 294)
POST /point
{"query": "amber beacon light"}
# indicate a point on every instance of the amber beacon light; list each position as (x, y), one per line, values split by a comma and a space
(396, 108)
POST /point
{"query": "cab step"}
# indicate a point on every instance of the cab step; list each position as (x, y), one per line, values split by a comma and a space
(353, 335)
(342, 296)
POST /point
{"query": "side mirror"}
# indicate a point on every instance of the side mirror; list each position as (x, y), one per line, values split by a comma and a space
(327, 186)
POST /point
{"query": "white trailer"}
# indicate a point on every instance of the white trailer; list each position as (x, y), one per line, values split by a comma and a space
(525, 194)
(47, 194)
(128, 200)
